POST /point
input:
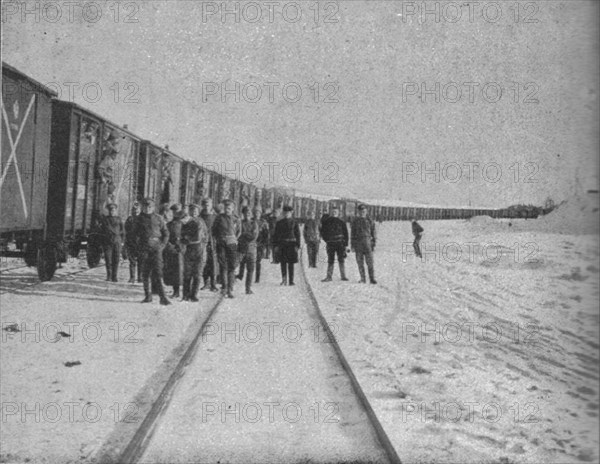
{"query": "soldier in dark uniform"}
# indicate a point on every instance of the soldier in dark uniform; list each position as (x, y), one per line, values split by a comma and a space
(226, 230)
(335, 234)
(247, 247)
(173, 252)
(211, 268)
(272, 220)
(362, 242)
(130, 244)
(195, 238)
(312, 237)
(417, 231)
(286, 238)
(265, 218)
(113, 232)
(152, 236)
(262, 242)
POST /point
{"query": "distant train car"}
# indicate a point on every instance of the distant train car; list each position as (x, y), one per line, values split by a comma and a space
(189, 177)
(162, 174)
(25, 161)
(350, 212)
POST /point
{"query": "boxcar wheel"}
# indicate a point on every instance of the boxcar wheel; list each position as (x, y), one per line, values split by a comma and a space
(46, 263)
(31, 252)
(94, 253)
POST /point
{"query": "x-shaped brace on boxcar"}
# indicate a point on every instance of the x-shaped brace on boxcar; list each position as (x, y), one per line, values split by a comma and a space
(13, 149)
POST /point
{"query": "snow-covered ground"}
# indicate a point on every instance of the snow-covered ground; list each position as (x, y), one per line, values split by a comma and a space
(82, 360)
(484, 351)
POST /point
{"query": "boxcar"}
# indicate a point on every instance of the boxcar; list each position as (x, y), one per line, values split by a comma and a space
(160, 174)
(93, 163)
(25, 160)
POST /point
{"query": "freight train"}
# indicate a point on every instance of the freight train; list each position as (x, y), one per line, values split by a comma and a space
(61, 163)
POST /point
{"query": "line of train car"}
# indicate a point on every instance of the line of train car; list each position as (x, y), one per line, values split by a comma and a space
(61, 163)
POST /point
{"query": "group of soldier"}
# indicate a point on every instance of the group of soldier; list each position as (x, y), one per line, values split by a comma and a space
(187, 245)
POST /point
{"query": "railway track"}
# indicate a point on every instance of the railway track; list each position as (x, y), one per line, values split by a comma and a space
(213, 374)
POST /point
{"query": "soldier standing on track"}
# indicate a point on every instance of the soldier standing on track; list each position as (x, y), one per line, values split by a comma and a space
(152, 236)
(195, 238)
(335, 234)
(226, 230)
(247, 247)
(417, 231)
(363, 239)
(262, 242)
(287, 239)
(173, 252)
(312, 237)
(211, 268)
(130, 244)
(113, 232)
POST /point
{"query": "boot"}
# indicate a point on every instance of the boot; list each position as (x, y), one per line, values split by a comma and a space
(148, 293)
(164, 301)
(257, 280)
(175, 291)
(291, 273)
(283, 267)
(343, 271)
(230, 280)
(329, 273)
(194, 291)
(361, 271)
(131, 273)
(372, 275)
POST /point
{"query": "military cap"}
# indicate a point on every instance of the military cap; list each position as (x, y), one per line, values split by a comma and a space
(111, 205)
(206, 201)
(334, 207)
(148, 201)
(193, 206)
(135, 204)
(245, 209)
(362, 206)
(176, 207)
(227, 202)
(288, 208)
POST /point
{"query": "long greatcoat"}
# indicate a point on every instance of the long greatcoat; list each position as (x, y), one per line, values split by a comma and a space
(287, 238)
(173, 255)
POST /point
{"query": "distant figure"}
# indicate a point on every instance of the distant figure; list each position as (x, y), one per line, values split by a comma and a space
(262, 242)
(130, 244)
(286, 238)
(363, 239)
(173, 252)
(211, 266)
(152, 236)
(247, 247)
(335, 234)
(312, 237)
(195, 237)
(417, 231)
(113, 233)
(226, 230)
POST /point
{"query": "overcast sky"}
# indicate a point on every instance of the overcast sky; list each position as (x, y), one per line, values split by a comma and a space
(362, 125)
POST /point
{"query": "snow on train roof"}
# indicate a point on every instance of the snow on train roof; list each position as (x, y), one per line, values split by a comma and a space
(408, 204)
